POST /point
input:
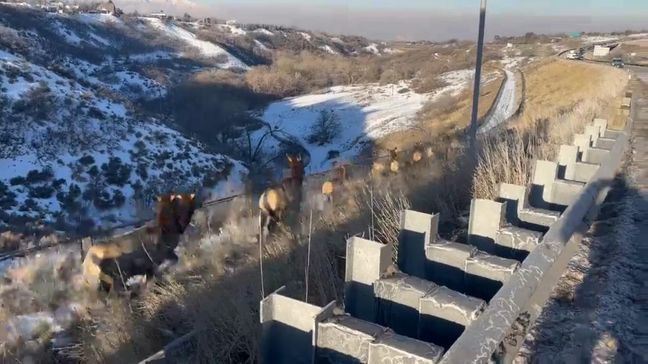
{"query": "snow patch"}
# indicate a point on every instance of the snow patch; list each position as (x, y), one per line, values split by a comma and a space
(207, 49)
(328, 49)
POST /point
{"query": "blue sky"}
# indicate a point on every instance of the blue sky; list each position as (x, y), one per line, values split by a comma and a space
(424, 19)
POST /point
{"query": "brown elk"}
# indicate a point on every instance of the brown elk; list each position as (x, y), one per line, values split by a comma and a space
(275, 201)
(330, 186)
(141, 252)
(381, 168)
(417, 153)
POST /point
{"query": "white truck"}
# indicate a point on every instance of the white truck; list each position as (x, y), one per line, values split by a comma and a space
(573, 54)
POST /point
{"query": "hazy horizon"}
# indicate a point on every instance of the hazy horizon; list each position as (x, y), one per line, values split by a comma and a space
(417, 19)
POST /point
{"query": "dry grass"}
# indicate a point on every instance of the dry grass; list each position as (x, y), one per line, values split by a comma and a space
(551, 118)
(556, 86)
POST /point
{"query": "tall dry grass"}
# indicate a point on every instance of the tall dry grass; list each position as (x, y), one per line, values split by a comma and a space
(551, 117)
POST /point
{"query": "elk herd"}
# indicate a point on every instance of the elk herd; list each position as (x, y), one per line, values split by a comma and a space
(146, 251)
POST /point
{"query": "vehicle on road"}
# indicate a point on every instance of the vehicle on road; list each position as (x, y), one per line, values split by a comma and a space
(617, 62)
(574, 55)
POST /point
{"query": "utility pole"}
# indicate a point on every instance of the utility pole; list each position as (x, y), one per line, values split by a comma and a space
(475, 106)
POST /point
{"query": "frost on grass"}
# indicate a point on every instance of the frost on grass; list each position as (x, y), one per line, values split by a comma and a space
(591, 312)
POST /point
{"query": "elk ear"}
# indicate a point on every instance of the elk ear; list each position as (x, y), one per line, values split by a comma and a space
(179, 197)
(299, 157)
(159, 199)
(172, 197)
(192, 196)
(288, 157)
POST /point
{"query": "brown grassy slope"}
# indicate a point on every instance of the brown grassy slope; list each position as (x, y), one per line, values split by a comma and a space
(561, 98)
(556, 86)
(446, 117)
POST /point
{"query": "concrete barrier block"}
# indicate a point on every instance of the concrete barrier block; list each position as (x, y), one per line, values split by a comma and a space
(595, 155)
(544, 175)
(417, 231)
(446, 263)
(519, 211)
(517, 242)
(605, 143)
(346, 339)
(582, 141)
(444, 315)
(593, 131)
(564, 193)
(602, 124)
(366, 261)
(289, 328)
(486, 218)
(548, 191)
(398, 349)
(398, 298)
(612, 134)
(570, 168)
(485, 274)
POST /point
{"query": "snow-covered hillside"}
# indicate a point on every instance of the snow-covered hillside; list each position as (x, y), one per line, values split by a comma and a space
(365, 113)
(205, 48)
(77, 149)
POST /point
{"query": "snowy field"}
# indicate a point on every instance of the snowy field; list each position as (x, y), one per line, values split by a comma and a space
(366, 113)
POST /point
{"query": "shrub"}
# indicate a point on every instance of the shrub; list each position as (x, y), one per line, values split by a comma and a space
(115, 172)
(326, 128)
(68, 200)
(87, 160)
(104, 200)
(94, 112)
(42, 192)
(7, 198)
(34, 176)
(17, 181)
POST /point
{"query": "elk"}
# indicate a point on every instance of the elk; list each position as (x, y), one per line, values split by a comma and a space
(275, 200)
(141, 252)
(380, 168)
(330, 186)
(417, 153)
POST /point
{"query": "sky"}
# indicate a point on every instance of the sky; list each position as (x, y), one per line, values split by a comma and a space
(419, 19)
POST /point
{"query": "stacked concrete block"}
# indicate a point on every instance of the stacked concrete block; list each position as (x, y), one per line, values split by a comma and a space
(366, 261)
(489, 231)
(393, 348)
(549, 192)
(572, 169)
(605, 140)
(519, 211)
(289, 328)
(445, 313)
(594, 154)
(345, 339)
(486, 273)
(398, 302)
(446, 263)
(417, 231)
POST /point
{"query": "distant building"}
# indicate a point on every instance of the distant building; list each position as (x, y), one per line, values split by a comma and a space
(603, 50)
(161, 15)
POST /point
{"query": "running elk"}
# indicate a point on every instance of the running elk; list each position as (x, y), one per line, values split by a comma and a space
(335, 182)
(275, 201)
